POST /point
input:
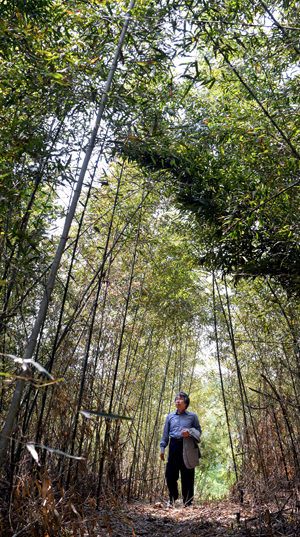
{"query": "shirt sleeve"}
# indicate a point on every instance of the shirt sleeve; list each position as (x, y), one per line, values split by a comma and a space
(165, 435)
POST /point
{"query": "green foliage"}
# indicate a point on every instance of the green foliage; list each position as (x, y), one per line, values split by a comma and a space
(229, 148)
(215, 475)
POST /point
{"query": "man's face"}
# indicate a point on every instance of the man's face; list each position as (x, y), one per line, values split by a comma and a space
(180, 403)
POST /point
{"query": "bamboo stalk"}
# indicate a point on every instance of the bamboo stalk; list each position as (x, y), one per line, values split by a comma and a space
(119, 354)
(16, 399)
(92, 325)
(221, 379)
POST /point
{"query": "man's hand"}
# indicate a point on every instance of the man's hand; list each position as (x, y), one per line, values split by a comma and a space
(162, 455)
(185, 433)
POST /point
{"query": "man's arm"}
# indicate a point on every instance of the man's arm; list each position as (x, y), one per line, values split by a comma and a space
(195, 431)
(165, 439)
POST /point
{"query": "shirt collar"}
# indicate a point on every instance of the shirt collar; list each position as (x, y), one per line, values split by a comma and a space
(183, 412)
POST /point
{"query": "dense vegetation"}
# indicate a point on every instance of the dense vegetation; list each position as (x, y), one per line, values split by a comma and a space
(158, 251)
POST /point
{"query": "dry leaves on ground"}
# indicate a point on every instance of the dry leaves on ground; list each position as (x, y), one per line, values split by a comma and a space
(209, 519)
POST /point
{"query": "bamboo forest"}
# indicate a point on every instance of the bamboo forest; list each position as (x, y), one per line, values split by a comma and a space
(149, 245)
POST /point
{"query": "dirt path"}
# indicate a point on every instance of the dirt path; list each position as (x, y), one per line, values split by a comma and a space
(213, 519)
(195, 521)
(114, 518)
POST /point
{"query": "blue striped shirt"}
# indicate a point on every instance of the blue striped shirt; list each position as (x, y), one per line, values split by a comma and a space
(175, 423)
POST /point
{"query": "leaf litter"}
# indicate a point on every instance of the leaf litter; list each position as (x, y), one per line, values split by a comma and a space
(224, 518)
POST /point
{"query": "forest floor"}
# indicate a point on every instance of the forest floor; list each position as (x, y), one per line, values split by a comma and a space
(209, 519)
(114, 518)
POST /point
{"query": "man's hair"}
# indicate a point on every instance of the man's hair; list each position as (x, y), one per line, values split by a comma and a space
(185, 396)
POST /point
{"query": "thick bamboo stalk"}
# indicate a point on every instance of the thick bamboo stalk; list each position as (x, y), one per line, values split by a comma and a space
(51, 361)
(16, 399)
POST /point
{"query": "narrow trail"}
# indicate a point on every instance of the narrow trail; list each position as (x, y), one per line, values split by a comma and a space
(209, 519)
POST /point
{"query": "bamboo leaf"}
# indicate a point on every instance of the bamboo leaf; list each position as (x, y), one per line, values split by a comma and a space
(95, 59)
(41, 369)
(32, 451)
(29, 361)
(43, 383)
(111, 416)
(40, 384)
(85, 414)
(31, 448)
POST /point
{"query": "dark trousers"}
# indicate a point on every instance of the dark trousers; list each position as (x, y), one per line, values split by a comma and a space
(174, 464)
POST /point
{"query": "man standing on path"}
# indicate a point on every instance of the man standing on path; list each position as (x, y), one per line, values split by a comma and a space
(179, 425)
